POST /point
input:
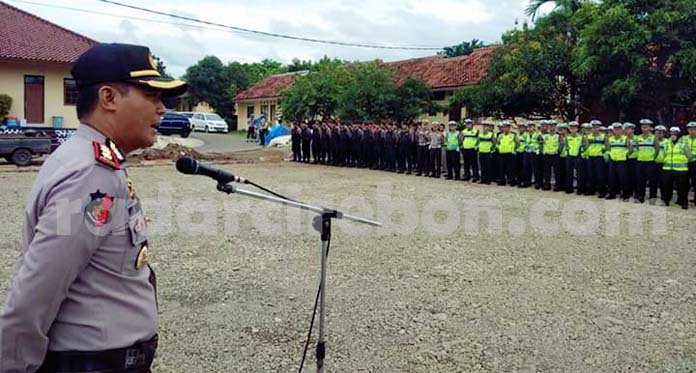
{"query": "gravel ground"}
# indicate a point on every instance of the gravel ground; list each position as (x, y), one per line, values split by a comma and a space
(442, 298)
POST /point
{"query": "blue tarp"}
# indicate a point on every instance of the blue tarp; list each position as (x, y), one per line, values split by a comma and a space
(276, 131)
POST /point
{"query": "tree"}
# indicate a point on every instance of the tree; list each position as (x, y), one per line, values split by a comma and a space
(529, 75)
(567, 6)
(464, 48)
(5, 105)
(411, 99)
(259, 71)
(610, 52)
(360, 92)
(326, 61)
(368, 94)
(315, 94)
(299, 65)
(209, 81)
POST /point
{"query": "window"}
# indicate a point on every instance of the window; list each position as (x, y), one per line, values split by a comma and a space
(69, 92)
(212, 117)
(250, 111)
(438, 96)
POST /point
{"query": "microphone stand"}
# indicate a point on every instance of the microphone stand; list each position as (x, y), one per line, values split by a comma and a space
(321, 223)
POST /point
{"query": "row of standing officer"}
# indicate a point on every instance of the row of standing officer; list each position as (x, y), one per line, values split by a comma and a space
(587, 159)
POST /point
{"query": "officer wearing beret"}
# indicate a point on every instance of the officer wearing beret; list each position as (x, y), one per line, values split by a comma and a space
(83, 297)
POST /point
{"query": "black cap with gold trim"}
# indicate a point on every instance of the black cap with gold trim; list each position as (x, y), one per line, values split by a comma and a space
(105, 63)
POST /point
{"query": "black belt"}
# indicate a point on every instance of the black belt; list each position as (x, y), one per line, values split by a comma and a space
(138, 356)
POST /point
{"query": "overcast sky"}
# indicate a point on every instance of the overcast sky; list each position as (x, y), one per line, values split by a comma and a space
(430, 23)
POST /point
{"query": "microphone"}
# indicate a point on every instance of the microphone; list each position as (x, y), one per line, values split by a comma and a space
(190, 166)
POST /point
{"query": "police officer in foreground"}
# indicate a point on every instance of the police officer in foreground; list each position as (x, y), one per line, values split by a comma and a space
(83, 297)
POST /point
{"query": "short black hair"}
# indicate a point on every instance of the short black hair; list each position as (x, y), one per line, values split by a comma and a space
(87, 97)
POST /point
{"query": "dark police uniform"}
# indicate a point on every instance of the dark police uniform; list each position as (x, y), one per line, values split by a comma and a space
(83, 297)
(337, 145)
(325, 146)
(367, 147)
(356, 146)
(390, 150)
(296, 136)
(306, 144)
(316, 144)
(379, 149)
(405, 152)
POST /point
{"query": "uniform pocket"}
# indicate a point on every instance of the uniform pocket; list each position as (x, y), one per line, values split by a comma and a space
(138, 228)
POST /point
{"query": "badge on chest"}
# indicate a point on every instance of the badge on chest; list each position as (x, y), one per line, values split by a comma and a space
(137, 225)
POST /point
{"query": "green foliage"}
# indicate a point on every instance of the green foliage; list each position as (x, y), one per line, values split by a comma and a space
(259, 71)
(368, 93)
(299, 65)
(358, 92)
(635, 57)
(212, 82)
(411, 99)
(567, 6)
(529, 74)
(5, 105)
(464, 48)
(609, 54)
(314, 94)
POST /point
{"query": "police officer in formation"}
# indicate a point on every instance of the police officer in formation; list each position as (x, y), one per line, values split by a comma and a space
(586, 159)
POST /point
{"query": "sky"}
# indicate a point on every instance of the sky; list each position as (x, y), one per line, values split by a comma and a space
(422, 23)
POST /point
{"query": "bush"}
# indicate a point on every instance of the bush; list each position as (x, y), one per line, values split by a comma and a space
(5, 105)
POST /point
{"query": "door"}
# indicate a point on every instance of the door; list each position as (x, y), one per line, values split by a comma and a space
(34, 98)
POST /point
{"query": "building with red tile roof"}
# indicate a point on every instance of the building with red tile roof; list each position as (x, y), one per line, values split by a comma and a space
(443, 74)
(35, 60)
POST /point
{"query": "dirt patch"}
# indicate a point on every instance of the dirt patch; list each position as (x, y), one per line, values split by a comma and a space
(175, 151)
(172, 152)
(237, 276)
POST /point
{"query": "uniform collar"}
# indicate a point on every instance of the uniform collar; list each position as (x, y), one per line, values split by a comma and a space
(92, 134)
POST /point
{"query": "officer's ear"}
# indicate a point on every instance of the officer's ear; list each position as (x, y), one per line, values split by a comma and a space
(110, 95)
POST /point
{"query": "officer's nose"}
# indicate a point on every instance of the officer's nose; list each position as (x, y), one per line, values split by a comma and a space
(160, 108)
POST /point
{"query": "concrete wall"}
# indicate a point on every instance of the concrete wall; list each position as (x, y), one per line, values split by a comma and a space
(201, 107)
(243, 111)
(12, 83)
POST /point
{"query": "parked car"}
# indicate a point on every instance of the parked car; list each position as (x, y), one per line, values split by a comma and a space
(20, 149)
(208, 122)
(175, 123)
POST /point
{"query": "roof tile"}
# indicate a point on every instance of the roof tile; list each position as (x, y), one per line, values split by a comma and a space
(267, 88)
(436, 71)
(25, 37)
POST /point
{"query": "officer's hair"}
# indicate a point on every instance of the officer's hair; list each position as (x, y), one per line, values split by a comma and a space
(87, 97)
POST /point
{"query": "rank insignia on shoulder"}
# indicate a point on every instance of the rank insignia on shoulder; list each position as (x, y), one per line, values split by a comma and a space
(105, 155)
(98, 209)
(115, 150)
